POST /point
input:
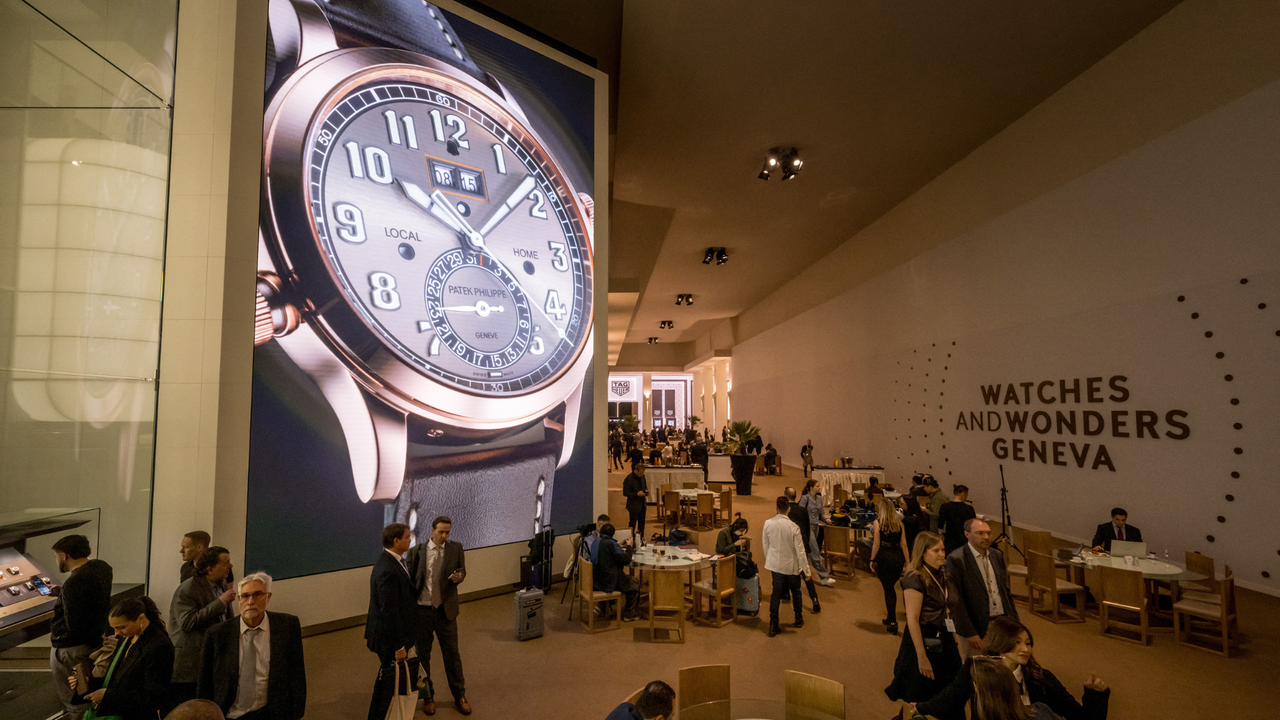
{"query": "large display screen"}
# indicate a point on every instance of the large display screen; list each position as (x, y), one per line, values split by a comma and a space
(425, 286)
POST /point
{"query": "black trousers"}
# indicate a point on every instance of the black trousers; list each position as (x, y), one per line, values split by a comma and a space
(383, 688)
(433, 624)
(889, 571)
(784, 584)
(635, 521)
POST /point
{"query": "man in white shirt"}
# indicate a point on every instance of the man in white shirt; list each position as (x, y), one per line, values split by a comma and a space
(784, 556)
(979, 586)
(437, 567)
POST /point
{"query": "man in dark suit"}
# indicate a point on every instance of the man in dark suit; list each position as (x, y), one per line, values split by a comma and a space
(1118, 529)
(389, 629)
(193, 544)
(252, 666)
(978, 586)
(196, 607)
(437, 568)
(608, 572)
(636, 490)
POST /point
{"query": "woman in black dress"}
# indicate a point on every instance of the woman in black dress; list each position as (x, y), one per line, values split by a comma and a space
(888, 557)
(928, 658)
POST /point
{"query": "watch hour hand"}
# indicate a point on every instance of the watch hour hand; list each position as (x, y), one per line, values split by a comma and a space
(440, 207)
(518, 196)
(424, 201)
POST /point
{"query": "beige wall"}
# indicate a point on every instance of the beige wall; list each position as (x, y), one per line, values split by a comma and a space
(1077, 243)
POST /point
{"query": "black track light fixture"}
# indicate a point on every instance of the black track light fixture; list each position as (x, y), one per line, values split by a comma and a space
(684, 299)
(722, 256)
(783, 160)
(709, 256)
(666, 325)
(791, 164)
(772, 163)
(653, 340)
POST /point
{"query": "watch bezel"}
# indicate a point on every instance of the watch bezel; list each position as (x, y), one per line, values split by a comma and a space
(312, 278)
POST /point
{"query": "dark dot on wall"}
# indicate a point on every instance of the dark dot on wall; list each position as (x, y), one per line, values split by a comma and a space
(1228, 378)
(1231, 498)
(1235, 401)
(1181, 298)
(1237, 426)
(1208, 333)
(946, 459)
(406, 251)
(1266, 574)
(528, 267)
(1209, 538)
(948, 354)
(953, 342)
(944, 447)
(1244, 281)
(1221, 519)
(1235, 475)
(934, 345)
(944, 367)
(1195, 316)
(941, 433)
(1220, 355)
(1262, 306)
(1239, 451)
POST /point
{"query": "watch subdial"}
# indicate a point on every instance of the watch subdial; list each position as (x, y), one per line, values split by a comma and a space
(478, 310)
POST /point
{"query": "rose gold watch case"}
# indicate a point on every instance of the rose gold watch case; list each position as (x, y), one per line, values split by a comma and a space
(310, 278)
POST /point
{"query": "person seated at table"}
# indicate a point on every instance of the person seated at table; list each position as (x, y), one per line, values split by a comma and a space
(770, 458)
(668, 454)
(1118, 529)
(1011, 642)
(732, 539)
(612, 560)
(655, 456)
(592, 541)
(952, 516)
(656, 702)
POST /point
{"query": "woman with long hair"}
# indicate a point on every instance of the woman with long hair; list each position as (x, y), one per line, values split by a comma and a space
(1011, 642)
(995, 693)
(928, 658)
(137, 688)
(889, 556)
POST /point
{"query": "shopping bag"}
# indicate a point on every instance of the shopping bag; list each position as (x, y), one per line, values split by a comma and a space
(404, 696)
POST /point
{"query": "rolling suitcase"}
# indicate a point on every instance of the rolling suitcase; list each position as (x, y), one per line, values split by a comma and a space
(528, 614)
(747, 597)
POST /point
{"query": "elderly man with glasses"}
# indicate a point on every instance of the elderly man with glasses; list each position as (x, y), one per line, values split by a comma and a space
(252, 666)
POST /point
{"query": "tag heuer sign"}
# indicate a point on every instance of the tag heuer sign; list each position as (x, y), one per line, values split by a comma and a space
(621, 388)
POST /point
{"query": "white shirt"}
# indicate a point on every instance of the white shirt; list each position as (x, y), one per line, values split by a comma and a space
(995, 604)
(261, 639)
(783, 547)
(430, 584)
(1022, 685)
(399, 561)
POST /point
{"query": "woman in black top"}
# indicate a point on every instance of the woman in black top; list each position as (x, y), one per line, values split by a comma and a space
(137, 683)
(928, 658)
(1011, 642)
(888, 557)
(730, 540)
(914, 518)
(952, 516)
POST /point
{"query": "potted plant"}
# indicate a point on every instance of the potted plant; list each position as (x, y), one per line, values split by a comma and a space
(630, 424)
(741, 433)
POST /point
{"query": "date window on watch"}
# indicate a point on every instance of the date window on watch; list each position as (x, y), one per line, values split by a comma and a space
(457, 179)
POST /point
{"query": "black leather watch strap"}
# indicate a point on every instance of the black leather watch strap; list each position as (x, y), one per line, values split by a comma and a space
(402, 24)
(492, 499)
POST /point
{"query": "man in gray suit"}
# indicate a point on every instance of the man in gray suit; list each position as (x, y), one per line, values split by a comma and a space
(196, 607)
(437, 568)
(978, 586)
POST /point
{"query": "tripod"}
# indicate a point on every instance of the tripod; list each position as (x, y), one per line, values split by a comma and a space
(574, 578)
(1005, 520)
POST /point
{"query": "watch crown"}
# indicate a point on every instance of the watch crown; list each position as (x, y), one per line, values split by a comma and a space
(272, 316)
(590, 205)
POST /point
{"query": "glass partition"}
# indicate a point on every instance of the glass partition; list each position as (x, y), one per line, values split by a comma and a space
(84, 147)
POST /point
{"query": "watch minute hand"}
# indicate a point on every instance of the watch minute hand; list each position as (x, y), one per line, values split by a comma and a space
(440, 203)
(518, 196)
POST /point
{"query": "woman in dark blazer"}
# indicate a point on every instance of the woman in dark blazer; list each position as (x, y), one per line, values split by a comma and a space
(1010, 641)
(137, 683)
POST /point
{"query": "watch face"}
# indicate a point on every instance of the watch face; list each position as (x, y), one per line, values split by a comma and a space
(450, 232)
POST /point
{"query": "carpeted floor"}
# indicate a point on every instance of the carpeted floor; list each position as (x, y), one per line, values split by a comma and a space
(569, 674)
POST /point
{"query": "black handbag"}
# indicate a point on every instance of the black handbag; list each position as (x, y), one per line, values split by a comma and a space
(932, 645)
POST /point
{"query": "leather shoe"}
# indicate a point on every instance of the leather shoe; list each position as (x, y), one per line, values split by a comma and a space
(817, 607)
(774, 629)
(464, 707)
(799, 622)
(429, 707)
(893, 628)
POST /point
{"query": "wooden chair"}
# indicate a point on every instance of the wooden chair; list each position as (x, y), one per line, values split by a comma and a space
(839, 496)
(811, 692)
(837, 547)
(1198, 563)
(725, 588)
(589, 597)
(706, 508)
(666, 603)
(702, 684)
(724, 511)
(1044, 582)
(689, 486)
(1034, 541)
(670, 510)
(1220, 613)
(1123, 590)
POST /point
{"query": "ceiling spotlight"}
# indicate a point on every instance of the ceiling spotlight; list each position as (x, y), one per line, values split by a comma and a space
(680, 299)
(711, 255)
(666, 325)
(653, 340)
(791, 164)
(688, 299)
(771, 163)
(722, 256)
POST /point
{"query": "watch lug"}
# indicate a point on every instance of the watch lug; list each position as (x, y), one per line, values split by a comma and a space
(390, 432)
(299, 33)
(572, 409)
(501, 89)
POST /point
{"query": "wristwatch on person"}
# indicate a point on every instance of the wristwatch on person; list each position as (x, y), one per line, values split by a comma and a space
(425, 260)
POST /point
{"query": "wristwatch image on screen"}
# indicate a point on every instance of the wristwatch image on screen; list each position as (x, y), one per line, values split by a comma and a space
(426, 262)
